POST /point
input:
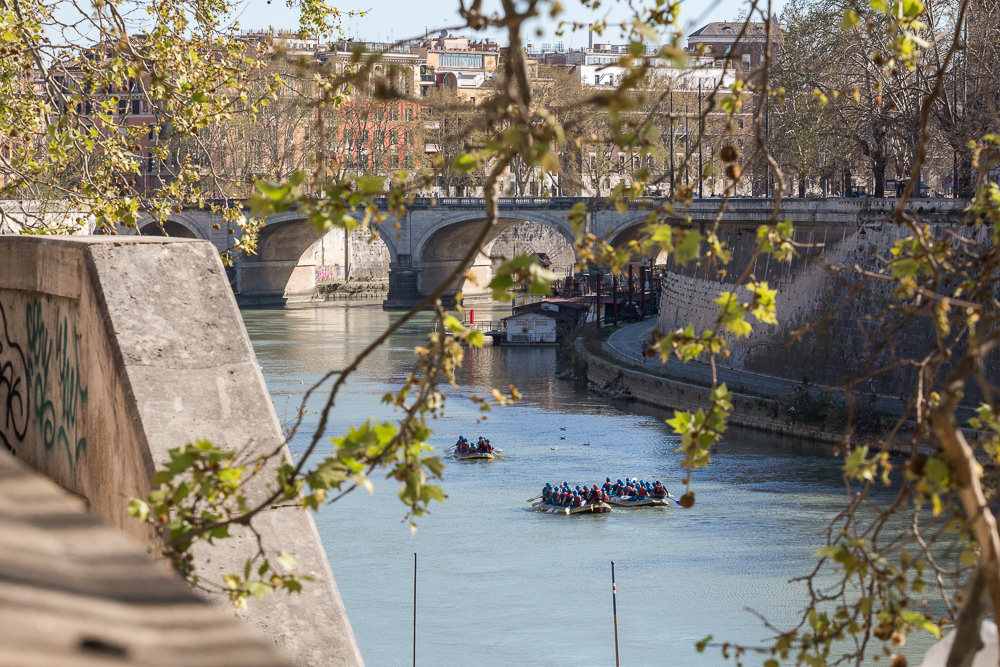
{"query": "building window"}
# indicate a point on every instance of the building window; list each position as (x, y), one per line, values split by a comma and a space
(409, 113)
(395, 112)
(468, 60)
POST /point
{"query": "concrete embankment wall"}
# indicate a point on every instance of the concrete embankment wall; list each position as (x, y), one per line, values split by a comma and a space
(833, 311)
(114, 350)
(754, 412)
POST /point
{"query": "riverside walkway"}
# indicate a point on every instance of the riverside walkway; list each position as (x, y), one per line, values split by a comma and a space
(626, 345)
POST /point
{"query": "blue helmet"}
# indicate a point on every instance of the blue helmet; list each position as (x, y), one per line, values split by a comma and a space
(607, 479)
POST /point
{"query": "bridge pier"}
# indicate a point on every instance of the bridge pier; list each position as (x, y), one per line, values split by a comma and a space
(403, 291)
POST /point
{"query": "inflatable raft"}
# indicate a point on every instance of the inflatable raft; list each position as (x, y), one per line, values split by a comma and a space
(633, 501)
(586, 508)
(472, 456)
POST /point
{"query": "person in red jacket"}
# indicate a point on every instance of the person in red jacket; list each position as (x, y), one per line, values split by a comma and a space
(641, 492)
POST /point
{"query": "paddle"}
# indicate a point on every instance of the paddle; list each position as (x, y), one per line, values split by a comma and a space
(534, 497)
(671, 496)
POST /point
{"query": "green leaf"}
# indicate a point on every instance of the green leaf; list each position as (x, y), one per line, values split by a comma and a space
(287, 561)
(689, 247)
(463, 163)
(475, 338)
(850, 20)
(138, 509)
(258, 589)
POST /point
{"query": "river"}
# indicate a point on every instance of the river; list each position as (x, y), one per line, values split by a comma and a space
(501, 585)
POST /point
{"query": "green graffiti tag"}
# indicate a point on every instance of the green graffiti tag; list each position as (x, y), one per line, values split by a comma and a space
(59, 425)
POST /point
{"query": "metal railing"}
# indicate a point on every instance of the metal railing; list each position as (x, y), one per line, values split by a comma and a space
(483, 325)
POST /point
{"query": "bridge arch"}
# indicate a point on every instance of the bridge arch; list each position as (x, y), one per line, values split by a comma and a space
(289, 254)
(177, 226)
(442, 249)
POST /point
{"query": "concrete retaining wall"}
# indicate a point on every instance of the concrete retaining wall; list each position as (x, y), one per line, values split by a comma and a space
(760, 414)
(114, 350)
(841, 307)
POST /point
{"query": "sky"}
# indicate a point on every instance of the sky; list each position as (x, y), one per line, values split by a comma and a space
(390, 20)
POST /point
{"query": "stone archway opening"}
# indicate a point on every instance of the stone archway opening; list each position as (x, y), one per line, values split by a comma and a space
(553, 250)
(293, 262)
(170, 228)
(445, 250)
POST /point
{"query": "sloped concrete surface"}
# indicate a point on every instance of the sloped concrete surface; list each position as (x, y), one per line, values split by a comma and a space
(75, 592)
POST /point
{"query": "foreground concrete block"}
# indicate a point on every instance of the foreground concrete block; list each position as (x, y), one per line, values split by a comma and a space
(112, 351)
(74, 591)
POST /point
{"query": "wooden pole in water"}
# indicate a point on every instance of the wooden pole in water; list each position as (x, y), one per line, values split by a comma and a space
(614, 606)
(415, 609)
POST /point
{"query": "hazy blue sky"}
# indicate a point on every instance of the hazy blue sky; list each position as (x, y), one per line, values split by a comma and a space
(399, 19)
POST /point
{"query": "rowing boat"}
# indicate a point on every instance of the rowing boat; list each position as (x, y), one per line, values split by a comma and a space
(633, 501)
(586, 508)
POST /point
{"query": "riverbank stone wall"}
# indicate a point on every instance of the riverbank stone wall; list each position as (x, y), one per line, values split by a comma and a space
(825, 333)
(113, 351)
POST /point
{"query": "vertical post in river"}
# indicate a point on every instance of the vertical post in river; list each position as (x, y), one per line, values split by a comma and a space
(414, 609)
(614, 607)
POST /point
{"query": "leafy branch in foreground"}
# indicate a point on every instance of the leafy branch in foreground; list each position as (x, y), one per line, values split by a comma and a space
(62, 112)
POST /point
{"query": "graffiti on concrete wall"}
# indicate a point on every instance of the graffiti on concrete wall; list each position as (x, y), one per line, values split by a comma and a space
(57, 394)
(329, 273)
(14, 391)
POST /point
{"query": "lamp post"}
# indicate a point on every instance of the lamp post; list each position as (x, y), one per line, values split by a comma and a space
(701, 137)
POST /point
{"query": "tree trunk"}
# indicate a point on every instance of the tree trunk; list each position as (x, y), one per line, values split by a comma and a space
(965, 187)
(878, 172)
(802, 185)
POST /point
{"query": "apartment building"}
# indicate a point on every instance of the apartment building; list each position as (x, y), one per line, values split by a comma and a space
(719, 39)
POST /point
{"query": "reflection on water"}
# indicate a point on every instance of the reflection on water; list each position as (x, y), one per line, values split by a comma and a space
(500, 585)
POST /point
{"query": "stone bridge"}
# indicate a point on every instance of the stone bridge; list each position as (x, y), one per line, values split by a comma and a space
(434, 235)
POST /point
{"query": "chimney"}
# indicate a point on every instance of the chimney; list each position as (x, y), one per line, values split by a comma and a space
(590, 39)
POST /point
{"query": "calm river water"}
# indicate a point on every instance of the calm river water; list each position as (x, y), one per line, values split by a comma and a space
(501, 585)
